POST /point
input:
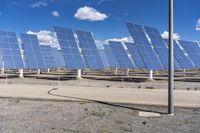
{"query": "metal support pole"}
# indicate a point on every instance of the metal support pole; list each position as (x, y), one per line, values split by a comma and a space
(171, 60)
(2, 70)
(21, 73)
(116, 70)
(127, 72)
(79, 73)
(39, 71)
(151, 75)
(48, 70)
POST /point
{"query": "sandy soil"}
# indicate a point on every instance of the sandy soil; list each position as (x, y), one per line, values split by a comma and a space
(20, 116)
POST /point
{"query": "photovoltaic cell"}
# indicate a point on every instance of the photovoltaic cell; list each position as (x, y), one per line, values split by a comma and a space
(121, 55)
(160, 47)
(111, 57)
(48, 56)
(89, 50)
(32, 52)
(69, 48)
(179, 54)
(135, 55)
(104, 58)
(148, 54)
(10, 52)
(193, 50)
(58, 58)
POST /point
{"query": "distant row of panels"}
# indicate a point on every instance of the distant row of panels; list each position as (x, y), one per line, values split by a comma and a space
(143, 53)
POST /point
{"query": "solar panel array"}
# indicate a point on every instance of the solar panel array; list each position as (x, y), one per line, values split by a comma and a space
(32, 52)
(160, 47)
(48, 56)
(10, 53)
(179, 54)
(136, 55)
(104, 58)
(89, 50)
(111, 57)
(193, 50)
(121, 55)
(69, 48)
(58, 58)
(148, 54)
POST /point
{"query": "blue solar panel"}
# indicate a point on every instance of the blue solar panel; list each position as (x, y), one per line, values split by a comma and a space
(104, 58)
(193, 50)
(89, 50)
(10, 51)
(111, 57)
(69, 48)
(58, 58)
(136, 55)
(121, 55)
(32, 52)
(179, 54)
(160, 47)
(148, 54)
(48, 56)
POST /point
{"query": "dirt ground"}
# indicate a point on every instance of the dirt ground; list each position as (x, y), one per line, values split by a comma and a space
(25, 116)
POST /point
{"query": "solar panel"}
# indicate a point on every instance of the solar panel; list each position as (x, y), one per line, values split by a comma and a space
(160, 47)
(58, 58)
(10, 51)
(193, 50)
(69, 48)
(121, 55)
(32, 52)
(148, 54)
(89, 50)
(48, 56)
(111, 57)
(179, 54)
(104, 58)
(132, 49)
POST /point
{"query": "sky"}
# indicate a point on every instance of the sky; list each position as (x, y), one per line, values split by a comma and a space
(104, 18)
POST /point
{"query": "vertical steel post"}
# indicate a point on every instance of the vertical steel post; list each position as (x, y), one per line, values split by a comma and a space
(171, 60)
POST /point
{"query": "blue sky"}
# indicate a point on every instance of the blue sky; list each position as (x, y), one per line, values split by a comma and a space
(104, 18)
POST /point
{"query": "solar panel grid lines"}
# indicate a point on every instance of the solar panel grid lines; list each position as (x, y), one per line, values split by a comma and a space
(104, 58)
(58, 58)
(160, 47)
(48, 56)
(135, 55)
(10, 52)
(121, 55)
(111, 57)
(193, 50)
(69, 48)
(179, 54)
(148, 54)
(89, 50)
(32, 52)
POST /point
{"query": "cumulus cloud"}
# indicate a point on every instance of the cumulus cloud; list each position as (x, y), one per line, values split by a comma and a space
(46, 37)
(198, 25)
(165, 35)
(90, 14)
(123, 39)
(39, 4)
(55, 14)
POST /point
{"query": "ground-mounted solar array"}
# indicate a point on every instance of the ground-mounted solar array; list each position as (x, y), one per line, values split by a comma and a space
(104, 58)
(113, 63)
(193, 50)
(148, 54)
(121, 55)
(132, 49)
(48, 56)
(160, 47)
(32, 52)
(69, 48)
(9, 51)
(89, 50)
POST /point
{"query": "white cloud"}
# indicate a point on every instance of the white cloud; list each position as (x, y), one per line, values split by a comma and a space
(55, 14)
(46, 37)
(165, 35)
(124, 39)
(39, 4)
(90, 14)
(198, 25)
